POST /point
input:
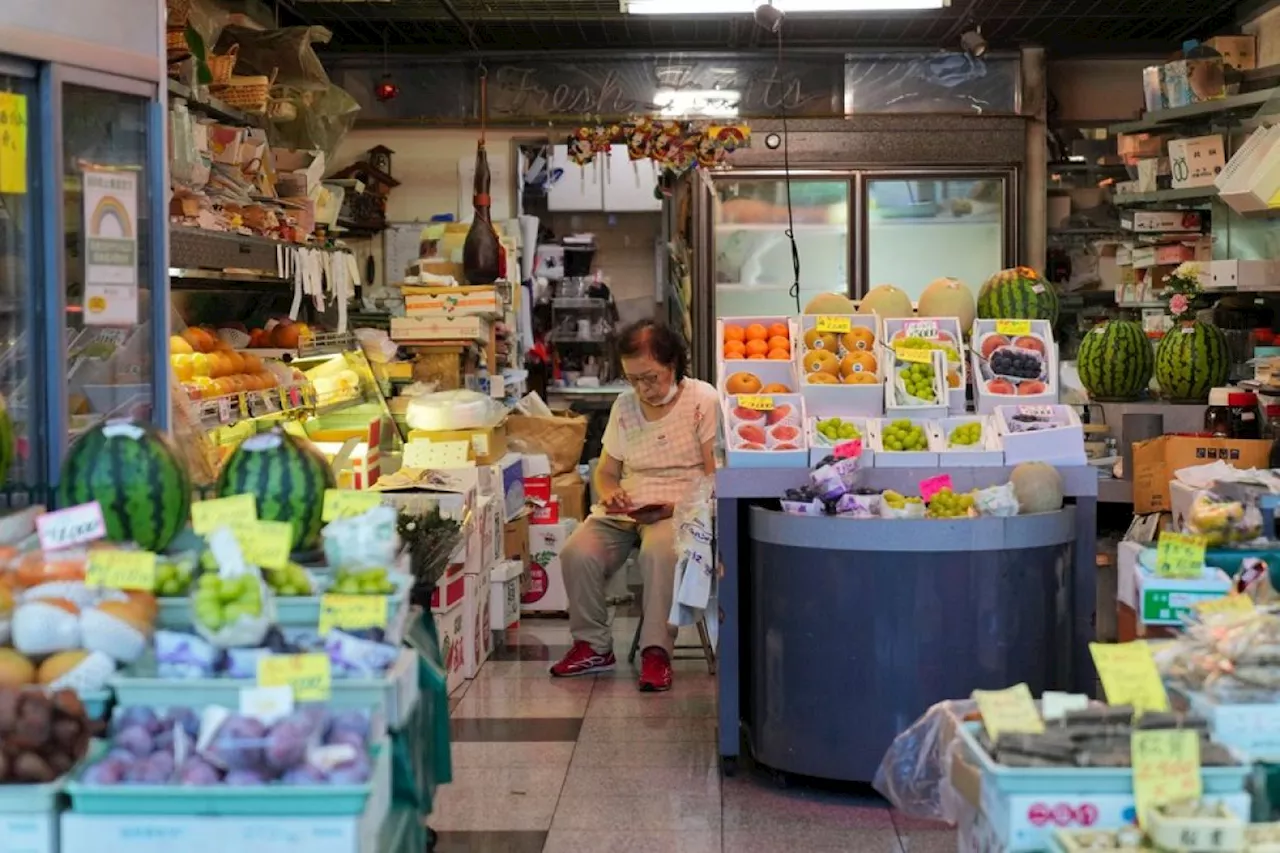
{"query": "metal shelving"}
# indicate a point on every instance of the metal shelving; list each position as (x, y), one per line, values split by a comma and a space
(1206, 109)
(1166, 196)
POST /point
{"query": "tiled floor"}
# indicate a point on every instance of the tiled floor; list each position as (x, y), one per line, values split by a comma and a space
(590, 765)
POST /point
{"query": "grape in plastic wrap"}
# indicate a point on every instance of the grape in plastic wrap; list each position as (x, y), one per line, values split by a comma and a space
(108, 771)
(136, 716)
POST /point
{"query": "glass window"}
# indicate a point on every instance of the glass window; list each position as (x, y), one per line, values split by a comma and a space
(920, 230)
(21, 453)
(108, 268)
(753, 256)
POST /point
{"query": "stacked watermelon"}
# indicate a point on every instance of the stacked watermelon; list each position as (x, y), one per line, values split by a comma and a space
(1191, 359)
(286, 475)
(1019, 294)
(7, 440)
(132, 472)
(1115, 361)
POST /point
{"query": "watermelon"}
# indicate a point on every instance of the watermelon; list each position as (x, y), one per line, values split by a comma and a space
(286, 475)
(1115, 361)
(1018, 294)
(7, 443)
(1191, 359)
(133, 473)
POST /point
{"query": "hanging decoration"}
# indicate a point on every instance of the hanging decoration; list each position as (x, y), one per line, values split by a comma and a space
(482, 253)
(675, 146)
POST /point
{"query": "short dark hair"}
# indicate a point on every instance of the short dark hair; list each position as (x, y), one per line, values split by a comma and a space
(656, 340)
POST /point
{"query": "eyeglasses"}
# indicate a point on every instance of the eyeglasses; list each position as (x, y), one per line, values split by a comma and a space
(646, 379)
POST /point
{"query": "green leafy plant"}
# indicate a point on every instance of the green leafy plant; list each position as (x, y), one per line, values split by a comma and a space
(195, 44)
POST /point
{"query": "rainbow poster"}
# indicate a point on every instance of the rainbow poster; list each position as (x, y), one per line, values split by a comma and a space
(111, 247)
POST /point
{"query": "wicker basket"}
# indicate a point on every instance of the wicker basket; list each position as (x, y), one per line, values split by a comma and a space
(175, 43)
(245, 93)
(220, 67)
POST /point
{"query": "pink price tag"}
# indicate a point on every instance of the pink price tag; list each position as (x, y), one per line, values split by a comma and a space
(848, 449)
(74, 525)
(933, 485)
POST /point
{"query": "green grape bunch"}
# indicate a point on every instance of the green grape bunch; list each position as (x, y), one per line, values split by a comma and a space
(945, 503)
(898, 501)
(917, 380)
(904, 435)
(965, 435)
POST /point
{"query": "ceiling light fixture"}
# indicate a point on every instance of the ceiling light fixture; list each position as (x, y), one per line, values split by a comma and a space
(973, 43)
(746, 7)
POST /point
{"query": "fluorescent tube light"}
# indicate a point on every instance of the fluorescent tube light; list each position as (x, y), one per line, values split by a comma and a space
(746, 7)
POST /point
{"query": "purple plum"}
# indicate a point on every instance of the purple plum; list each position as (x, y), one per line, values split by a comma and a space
(350, 721)
(161, 764)
(238, 744)
(355, 772)
(188, 719)
(106, 772)
(148, 773)
(123, 756)
(164, 740)
(304, 775)
(242, 778)
(346, 737)
(197, 771)
(287, 744)
(137, 716)
(136, 739)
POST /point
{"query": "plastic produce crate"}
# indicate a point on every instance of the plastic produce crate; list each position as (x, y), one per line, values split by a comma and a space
(29, 816)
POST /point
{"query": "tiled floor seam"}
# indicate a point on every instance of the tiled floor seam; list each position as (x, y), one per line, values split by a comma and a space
(565, 781)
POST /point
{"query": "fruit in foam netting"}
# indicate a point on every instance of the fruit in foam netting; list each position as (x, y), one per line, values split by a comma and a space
(776, 388)
(779, 414)
(742, 383)
(857, 361)
(821, 361)
(813, 339)
(821, 379)
(991, 343)
(861, 378)
(858, 338)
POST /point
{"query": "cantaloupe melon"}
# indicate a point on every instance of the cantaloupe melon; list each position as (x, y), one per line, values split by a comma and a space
(887, 301)
(1038, 487)
(829, 303)
(949, 297)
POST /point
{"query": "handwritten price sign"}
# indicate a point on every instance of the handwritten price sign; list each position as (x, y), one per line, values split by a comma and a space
(352, 612)
(838, 325)
(1010, 710)
(265, 543)
(1013, 327)
(208, 516)
(309, 676)
(1180, 555)
(1129, 675)
(122, 570)
(344, 503)
(753, 401)
(1166, 768)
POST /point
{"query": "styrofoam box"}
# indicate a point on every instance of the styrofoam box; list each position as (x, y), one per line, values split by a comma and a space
(820, 447)
(1244, 275)
(477, 642)
(798, 458)
(1164, 601)
(1058, 446)
(826, 401)
(29, 833)
(893, 410)
(767, 371)
(900, 458)
(949, 325)
(546, 592)
(1251, 730)
(1234, 179)
(987, 453)
(986, 402)
(728, 366)
(450, 628)
(504, 597)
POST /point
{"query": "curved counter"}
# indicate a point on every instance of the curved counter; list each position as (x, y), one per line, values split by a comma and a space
(852, 628)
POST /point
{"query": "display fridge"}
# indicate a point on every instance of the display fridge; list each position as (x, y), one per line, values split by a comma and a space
(854, 228)
(83, 299)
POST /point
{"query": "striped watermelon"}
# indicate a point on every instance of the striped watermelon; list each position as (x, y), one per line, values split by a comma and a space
(130, 469)
(7, 441)
(1115, 361)
(286, 475)
(1191, 359)
(1018, 294)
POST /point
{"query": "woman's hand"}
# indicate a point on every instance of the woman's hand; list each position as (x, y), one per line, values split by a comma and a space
(616, 501)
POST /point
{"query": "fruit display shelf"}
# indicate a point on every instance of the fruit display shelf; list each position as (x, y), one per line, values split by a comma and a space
(395, 694)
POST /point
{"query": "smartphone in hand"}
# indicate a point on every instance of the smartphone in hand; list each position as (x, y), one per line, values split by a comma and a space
(650, 513)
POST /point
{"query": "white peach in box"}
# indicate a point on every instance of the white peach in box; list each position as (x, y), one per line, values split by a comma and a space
(751, 433)
(782, 413)
(784, 433)
(741, 413)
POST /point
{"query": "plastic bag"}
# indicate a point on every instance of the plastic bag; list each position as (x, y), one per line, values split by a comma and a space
(695, 575)
(910, 510)
(1000, 501)
(366, 541)
(915, 775)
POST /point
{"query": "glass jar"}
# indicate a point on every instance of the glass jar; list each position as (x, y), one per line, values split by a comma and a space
(1245, 422)
(1217, 418)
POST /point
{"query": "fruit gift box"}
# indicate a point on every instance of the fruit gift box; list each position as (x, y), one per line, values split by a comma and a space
(826, 434)
(757, 345)
(1014, 362)
(1040, 433)
(765, 431)
(839, 365)
(969, 441)
(902, 442)
(932, 333)
(916, 387)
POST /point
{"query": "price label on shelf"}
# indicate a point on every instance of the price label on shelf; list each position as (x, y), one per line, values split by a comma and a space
(915, 356)
(242, 402)
(756, 402)
(1013, 327)
(208, 516)
(1166, 768)
(920, 329)
(354, 612)
(851, 449)
(838, 325)
(308, 676)
(1010, 710)
(224, 410)
(74, 525)
(284, 398)
(122, 570)
(266, 704)
(265, 543)
(1129, 676)
(1036, 411)
(1180, 555)
(344, 503)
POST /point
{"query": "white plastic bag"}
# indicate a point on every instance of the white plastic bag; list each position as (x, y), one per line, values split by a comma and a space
(452, 410)
(365, 541)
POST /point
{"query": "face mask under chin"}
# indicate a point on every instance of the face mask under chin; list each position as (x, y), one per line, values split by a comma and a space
(670, 395)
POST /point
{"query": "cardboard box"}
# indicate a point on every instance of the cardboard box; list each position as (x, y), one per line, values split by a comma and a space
(449, 592)
(298, 172)
(1238, 52)
(1199, 249)
(570, 491)
(1243, 275)
(1135, 146)
(547, 513)
(464, 301)
(1252, 155)
(504, 602)
(1153, 88)
(505, 480)
(1193, 81)
(1181, 497)
(441, 327)
(451, 629)
(1156, 460)
(477, 643)
(546, 592)
(488, 444)
(1165, 221)
(491, 524)
(515, 540)
(1196, 162)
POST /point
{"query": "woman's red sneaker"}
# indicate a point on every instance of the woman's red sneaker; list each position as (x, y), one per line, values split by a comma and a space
(583, 660)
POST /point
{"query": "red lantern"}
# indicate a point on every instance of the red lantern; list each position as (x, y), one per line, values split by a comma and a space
(386, 89)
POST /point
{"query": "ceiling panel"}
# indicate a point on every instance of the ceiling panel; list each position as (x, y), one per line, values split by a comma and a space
(1064, 26)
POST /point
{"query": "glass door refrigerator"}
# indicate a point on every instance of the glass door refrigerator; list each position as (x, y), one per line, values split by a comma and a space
(854, 229)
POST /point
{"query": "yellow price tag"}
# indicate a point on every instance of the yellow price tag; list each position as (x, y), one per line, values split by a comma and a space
(1013, 327)
(354, 612)
(1232, 603)
(1129, 676)
(344, 503)
(13, 143)
(839, 325)
(265, 543)
(1166, 768)
(208, 516)
(1010, 710)
(754, 401)
(308, 676)
(122, 570)
(916, 356)
(1180, 555)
